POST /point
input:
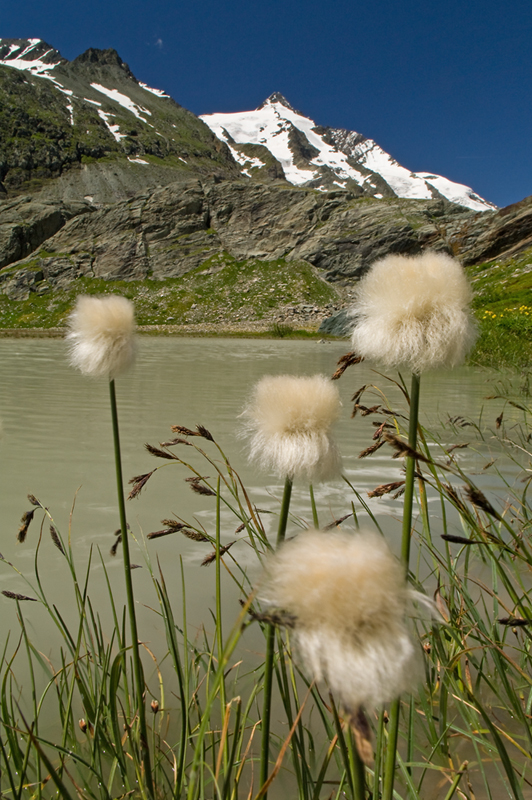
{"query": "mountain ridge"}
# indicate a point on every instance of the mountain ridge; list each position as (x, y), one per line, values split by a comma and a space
(300, 151)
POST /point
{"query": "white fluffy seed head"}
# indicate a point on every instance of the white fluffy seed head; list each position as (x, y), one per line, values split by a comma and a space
(412, 311)
(288, 421)
(101, 335)
(348, 595)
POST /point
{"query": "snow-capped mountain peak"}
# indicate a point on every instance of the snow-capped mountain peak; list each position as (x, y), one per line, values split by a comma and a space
(323, 157)
(278, 127)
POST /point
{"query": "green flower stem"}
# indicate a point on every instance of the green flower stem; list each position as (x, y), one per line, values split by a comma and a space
(393, 727)
(315, 519)
(358, 770)
(270, 646)
(410, 469)
(137, 665)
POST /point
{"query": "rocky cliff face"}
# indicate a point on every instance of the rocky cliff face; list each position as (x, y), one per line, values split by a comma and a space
(171, 231)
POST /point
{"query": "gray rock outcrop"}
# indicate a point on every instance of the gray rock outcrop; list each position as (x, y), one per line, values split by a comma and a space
(174, 229)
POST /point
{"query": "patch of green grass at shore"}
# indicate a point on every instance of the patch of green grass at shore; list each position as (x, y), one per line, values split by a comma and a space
(221, 290)
(503, 308)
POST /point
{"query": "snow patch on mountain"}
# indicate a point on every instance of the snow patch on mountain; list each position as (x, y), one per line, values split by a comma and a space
(157, 92)
(404, 183)
(245, 162)
(123, 100)
(114, 129)
(455, 192)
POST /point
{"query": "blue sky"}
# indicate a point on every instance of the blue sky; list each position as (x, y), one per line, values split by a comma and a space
(443, 86)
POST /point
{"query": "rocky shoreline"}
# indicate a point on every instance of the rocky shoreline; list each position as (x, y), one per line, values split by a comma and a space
(253, 329)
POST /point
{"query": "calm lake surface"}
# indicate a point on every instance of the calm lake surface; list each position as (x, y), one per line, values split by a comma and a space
(57, 445)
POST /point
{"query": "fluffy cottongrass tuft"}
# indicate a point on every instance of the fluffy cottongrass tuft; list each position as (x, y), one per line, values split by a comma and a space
(288, 421)
(101, 335)
(413, 312)
(348, 595)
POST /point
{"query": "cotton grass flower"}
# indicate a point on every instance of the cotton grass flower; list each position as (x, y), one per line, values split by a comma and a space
(348, 597)
(101, 339)
(101, 335)
(288, 421)
(413, 312)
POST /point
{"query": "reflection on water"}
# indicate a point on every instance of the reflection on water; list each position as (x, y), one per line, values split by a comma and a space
(57, 444)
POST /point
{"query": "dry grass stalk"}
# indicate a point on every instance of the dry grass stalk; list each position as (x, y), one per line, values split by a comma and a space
(335, 523)
(380, 428)
(56, 540)
(358, 394)
(403, 448)
(371, 449)
(173, 523)
(385, 488)
(212, 556)
(364, 410)
(183, 430)
(451, 492)
(450, 537)
(16, 596)
(278, 618)
(196, 536)
(391, 413)
(453, 447)
(478, 499)
(159, 534)
(139, 482)
(114, 548)
(173, 442)
(345, 361)
(204, 433)
(33, 500)
(197, 486)
(24, 525)
(155, 451)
